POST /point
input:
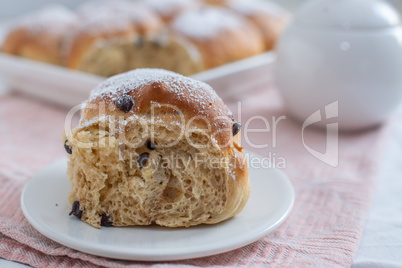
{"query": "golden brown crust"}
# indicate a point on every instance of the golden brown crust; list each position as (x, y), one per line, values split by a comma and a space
(151, 87)
(20, 42)
(268, 17)
(84, 40)
(220, 35)
(229, 46)
(271, 28)
(40, 36)
(99, 27)
(194, 39)
(141, 17)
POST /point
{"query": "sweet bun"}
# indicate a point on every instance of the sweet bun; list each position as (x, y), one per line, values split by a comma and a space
(103, 44)
(107, 37)
(40, 35)
(220, 35)
(153, 146)
(199, 39)
(269, 17)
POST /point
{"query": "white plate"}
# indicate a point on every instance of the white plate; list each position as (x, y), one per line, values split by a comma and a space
(69, 88)
(45, 205)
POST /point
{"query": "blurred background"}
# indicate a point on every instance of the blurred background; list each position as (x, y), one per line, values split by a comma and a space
(9, 9)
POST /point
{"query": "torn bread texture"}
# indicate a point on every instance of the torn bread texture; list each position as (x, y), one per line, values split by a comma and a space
(153, 146)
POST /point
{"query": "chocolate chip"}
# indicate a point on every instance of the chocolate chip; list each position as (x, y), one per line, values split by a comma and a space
(142, 160)
(125, 103)
(236, 128)
(106, 221)
(76, 211)
(151, 145)
(68, 149)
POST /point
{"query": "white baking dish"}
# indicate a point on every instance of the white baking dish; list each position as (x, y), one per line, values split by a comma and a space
(69, 88)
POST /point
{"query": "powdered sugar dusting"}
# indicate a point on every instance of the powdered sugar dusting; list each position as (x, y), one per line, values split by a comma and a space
(170, 7)
(52, 19)
(206, 22)
(104, 22)
(116, 11)
(183, 88)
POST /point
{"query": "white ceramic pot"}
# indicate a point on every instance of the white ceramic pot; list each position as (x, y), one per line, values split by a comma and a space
(348, 51)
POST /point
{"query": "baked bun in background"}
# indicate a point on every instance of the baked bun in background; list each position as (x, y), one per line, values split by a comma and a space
(153, 146)
(269, 17)
(108, 31)
(143, 19)
(39, 36)
(220, 35)
(200, 39)
(107, 37)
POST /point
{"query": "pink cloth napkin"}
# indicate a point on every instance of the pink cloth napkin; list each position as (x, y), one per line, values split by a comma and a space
(323, 229)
